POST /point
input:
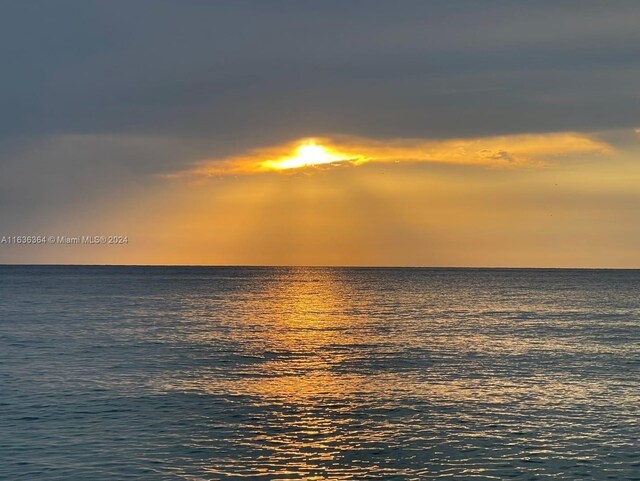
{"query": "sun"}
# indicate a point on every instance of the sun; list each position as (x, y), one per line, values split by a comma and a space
(306, 155)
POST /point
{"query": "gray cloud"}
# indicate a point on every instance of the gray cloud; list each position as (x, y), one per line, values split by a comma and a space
(218, 77)
(258, 69)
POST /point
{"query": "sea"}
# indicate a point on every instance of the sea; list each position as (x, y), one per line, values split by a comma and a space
(300, 373)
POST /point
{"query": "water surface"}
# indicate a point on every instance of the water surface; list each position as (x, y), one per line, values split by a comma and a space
(154, 373)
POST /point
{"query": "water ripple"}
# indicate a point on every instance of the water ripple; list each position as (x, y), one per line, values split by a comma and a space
(309, 373)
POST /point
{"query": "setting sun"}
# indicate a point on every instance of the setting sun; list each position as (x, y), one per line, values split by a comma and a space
(306, 155)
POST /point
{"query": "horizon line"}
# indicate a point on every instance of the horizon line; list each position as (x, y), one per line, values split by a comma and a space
(321, 266)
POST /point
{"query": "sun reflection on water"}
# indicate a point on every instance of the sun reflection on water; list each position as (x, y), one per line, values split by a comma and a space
(312, 373)
(329, 376)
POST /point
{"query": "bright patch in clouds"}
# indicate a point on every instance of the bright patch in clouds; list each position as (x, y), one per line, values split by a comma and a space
(306, 155)
(313, 153)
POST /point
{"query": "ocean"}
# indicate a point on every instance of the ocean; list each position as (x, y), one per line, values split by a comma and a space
(216, 373)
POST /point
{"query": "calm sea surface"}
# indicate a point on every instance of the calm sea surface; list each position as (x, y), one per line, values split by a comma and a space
(110, 373)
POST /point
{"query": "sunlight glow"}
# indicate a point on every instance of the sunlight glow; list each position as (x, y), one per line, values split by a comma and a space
(510, 151)
(306, 155)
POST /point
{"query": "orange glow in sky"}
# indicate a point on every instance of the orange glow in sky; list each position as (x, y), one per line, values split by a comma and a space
(306, 155)
(534, 200)
(523, 150)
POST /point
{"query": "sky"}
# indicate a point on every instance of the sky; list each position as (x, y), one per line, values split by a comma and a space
(360, 132)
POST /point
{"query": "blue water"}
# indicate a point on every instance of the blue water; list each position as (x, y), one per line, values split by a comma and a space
(153, 373)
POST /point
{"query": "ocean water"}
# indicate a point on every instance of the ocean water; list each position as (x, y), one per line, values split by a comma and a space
(155, 373)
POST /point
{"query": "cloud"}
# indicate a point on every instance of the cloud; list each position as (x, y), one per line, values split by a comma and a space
(97, 95)
(261, 72)
(500, 151)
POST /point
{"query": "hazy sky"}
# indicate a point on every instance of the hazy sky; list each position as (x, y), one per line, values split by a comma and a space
(464, 133)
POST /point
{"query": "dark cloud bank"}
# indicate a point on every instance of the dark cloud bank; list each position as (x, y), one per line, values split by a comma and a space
(214, 78)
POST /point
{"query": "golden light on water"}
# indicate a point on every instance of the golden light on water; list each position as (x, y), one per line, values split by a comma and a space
(328, 364)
